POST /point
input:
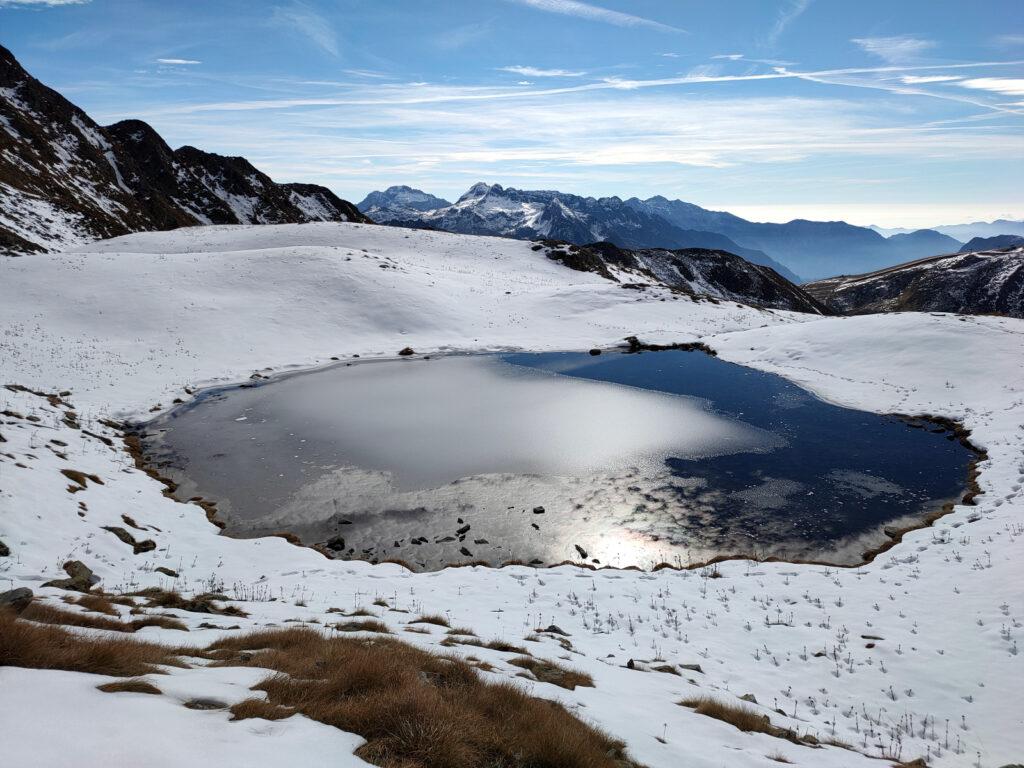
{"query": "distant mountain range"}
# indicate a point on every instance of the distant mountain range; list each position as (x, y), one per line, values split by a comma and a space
(810, 249)
(988, 282)
(64, 180)
(991, 243)
(494, 210)
(964, 232)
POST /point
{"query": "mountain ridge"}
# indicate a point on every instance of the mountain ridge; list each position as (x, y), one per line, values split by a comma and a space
(989, 282)
(490, 209)
(66, 180)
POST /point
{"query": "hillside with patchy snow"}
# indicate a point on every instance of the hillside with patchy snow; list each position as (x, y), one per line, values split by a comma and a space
(65, 180)
(911, 655)
(983, 282)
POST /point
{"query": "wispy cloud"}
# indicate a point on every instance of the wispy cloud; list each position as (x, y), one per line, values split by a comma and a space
(426, 93)
(39, 3)
(1010, 86)
(596, 13)
(303, 19)
(178, 62)
(537, 72)
(459, 37)
(897, 49)
(925, 79)
(790, 11)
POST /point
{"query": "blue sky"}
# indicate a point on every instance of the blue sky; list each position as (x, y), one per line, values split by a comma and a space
(905, 113)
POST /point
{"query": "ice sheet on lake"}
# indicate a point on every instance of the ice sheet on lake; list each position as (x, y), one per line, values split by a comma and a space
(432, 423)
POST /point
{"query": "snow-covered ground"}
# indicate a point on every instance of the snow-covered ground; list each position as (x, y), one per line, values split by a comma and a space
(127, 324)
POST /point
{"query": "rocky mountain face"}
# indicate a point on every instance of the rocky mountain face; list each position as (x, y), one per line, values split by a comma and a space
(64, 180)
(490, 209)
(987, 282)
(700, 273)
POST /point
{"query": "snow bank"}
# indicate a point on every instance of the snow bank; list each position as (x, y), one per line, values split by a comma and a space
(913, 655)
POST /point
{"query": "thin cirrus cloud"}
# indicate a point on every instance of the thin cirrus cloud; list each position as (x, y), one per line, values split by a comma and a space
(596, 13)
(304, 20)
(896, 49)
(1008, 86)
(925, 79)
(179, 62)
(537, 72)
(40, 3)
(789, 13)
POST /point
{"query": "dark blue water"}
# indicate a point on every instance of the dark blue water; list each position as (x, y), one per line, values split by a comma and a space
(841, 473)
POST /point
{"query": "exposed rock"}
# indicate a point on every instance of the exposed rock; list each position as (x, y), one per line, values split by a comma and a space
(166, 571)
(4, 550)
(138, 547)
(406, 351)
(204, 703)
(16, 599)
(80, 577)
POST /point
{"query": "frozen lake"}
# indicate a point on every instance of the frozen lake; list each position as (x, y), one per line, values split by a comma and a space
(618, 459)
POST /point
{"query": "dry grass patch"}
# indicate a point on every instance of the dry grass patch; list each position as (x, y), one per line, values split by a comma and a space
(369, 625)
(260, 708)
(549, 672)
(95, 602)
(135, 685)
(356, 612)
(750, 720)
(50, 614)
(461, 631)
(739, 715)
(431, 618)
(204, 603)
(417, 709)
(39, 646)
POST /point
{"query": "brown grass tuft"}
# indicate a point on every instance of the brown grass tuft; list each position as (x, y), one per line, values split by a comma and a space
(28, 644)
(369, 625)
(135, 685)
(431, 618)
(204, 603)
(739, 715)
(549, 672)
(260, 708)
(417, 709)
(50, 614)
(97, 603)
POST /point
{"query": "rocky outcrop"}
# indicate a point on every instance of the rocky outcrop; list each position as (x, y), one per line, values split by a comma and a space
(697, 272)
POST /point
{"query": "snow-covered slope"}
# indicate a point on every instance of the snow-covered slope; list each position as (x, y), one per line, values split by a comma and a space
(64, 180)
(984, 282)
(914, 654)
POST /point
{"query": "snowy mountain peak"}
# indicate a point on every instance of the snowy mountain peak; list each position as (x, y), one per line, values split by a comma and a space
(479, 190)
(401, 197)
